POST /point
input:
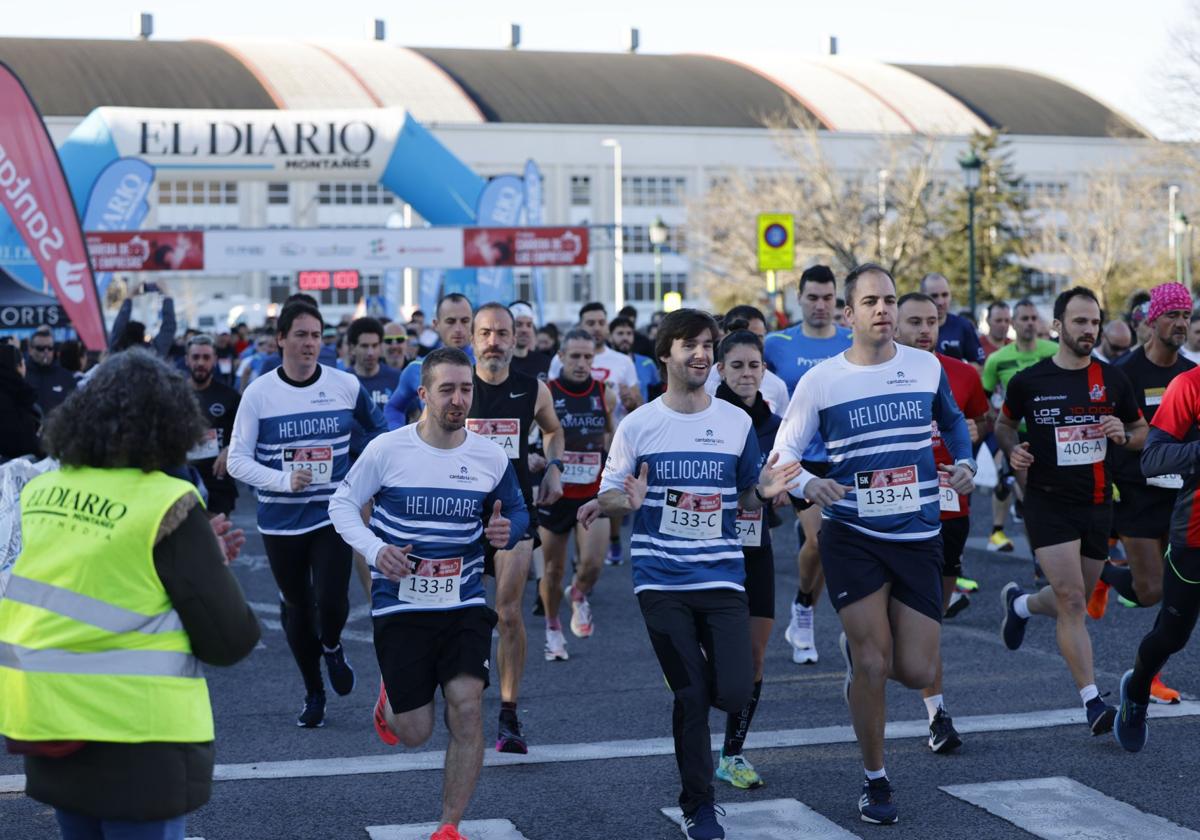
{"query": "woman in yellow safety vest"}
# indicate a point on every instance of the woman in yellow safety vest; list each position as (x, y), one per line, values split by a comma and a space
(121, 590)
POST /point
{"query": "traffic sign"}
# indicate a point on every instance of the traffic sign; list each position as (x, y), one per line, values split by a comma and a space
(776, 245)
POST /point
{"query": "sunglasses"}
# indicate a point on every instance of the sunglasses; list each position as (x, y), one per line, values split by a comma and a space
(395, 339)
(41, 348)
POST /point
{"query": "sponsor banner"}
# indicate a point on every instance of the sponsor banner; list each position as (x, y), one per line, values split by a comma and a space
(534, 218)
(22, 308)
(34, 194)
(525, 246)
(146, 250)
(500, 204)
(330, 249)
(118, 202)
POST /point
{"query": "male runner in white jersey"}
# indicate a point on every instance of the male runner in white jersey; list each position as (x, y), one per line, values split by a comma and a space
(505, 407)
(433, 484)
(881, 545)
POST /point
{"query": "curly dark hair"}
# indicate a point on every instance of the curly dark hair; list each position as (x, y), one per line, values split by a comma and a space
(134, 411)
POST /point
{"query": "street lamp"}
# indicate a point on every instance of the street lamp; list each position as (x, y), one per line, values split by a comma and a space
(971, 166)
(658, 238)
(618, 230)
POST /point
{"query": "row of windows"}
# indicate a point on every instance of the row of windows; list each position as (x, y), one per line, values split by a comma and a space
(197, 192)
(1044, 189)
(354, 193)
(636, 239)
(636, 191)
(639, 286)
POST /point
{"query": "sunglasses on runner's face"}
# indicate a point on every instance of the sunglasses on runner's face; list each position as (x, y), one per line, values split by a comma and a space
(395, 339)
(41, 348)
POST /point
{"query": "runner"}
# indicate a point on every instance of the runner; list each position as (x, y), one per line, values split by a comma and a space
(741, 368)
(684, 465)
(791, 353)
(527, 359)
(1000, 367)
(291, 440)
(956, 335)
(453, 326)
(219, 405)
(1142, 513)
(917, 327)
(504, 408)
(1191, 350)
(434, 486)
(622, 338)
(365, 337)
(1115, 342)
(881, 546)
(396, 347)
(999, 321)
(584, 407)
(1073, 406)
(774, 390)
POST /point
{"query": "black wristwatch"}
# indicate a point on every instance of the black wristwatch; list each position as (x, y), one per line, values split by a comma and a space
(555, 463)
(758, 495)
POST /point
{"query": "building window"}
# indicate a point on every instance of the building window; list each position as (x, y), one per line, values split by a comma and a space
(279, 286)
(581, 191)
(639, 285)
(354, 194)
(277, 193)
(581, 285)
(653, 190)
(637, 239)
(523, 285)
(197, 192)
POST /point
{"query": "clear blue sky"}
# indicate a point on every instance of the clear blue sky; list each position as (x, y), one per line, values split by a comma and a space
(1113, 49)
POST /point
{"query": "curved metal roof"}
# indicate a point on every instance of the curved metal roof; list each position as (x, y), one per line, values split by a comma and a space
(71, 77)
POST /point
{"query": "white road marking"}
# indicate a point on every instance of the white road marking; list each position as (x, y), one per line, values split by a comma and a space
(772, 819)
(401, 762)
(475, 829)
(1058, 808)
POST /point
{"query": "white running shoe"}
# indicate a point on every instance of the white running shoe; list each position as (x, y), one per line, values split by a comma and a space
(581, 615)
(556, 646)
(799, 635)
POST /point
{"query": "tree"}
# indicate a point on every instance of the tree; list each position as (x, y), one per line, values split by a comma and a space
(881, 210)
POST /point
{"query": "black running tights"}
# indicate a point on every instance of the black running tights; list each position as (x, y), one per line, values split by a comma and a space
(312, 572)
(1176, 619)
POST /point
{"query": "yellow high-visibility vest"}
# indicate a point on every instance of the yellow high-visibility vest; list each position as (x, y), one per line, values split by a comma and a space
(90, 647)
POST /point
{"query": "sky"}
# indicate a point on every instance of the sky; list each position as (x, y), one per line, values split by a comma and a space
(1115, 50)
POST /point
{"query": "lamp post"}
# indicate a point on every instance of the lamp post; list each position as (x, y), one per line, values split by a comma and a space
(971, 166)
(618, 230)
(658, 238)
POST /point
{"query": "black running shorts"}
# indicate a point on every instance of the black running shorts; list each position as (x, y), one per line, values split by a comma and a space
(1051, 521)
(857, 565)
(760, 581)
(419, 651)
(1143, 511)
(954, 540)
(559, 518)
(818, 468)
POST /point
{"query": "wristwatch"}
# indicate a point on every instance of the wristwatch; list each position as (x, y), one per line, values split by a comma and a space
(555, 463)
(759, 495)
(969, 463)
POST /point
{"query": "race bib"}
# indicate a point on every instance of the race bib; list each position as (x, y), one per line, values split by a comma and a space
(948, 501)
(208, 447)
(1080, 445)
(887, 492)
(580, 467)
(506, 433)
(749, 527)
(691, 515)
(434, 583)
(1154, 396)
(319, 459)
(1166, 482)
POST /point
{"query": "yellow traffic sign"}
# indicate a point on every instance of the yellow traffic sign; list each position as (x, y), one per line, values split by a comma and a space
(776, 243)
(672, 301)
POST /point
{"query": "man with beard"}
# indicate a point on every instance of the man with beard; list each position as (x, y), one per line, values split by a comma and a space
(527, 359)
(52, 381)
(219, 405)
(453, 326)
(1073, 406)
(621, 336)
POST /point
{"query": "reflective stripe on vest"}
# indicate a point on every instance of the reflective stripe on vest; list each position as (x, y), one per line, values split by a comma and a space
(91, 611)
(121, 663)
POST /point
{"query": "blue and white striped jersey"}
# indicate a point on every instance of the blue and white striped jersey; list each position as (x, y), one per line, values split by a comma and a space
(877, 422)
(281, 427)
(434, 500)
(685, 533)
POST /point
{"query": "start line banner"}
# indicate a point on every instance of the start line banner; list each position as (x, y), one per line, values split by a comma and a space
(331, 249)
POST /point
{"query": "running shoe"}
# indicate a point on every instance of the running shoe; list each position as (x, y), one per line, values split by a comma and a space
(1100, 716)
(844, 647)
(966, 585)
(1160, 693)
(447, 832)
(1012, 628)
(875, 805)
(556, 646)
(615, 556)
(539, 608)
(341, 675)
(382, 729)
(958, 602)
(510, 739)
(799, 635)
(1018, 511)
(1098, 601)
(581, 615)
(943, 737)
(1130, 728)
(998, 541)
(739, 772)
(312, 716)
(702, 823)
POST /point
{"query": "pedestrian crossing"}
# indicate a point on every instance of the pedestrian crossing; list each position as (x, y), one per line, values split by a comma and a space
(773, 819)
(474, 829)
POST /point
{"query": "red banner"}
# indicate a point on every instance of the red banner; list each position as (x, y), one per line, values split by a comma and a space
(33, 190)
(146, 250)
(485, 247)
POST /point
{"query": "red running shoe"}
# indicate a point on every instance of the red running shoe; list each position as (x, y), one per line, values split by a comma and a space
(384, 731)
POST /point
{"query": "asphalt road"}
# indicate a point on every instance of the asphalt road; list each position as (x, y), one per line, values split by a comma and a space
(590, 782)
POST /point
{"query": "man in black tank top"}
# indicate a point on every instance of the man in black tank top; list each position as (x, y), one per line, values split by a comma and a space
(506, 404)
